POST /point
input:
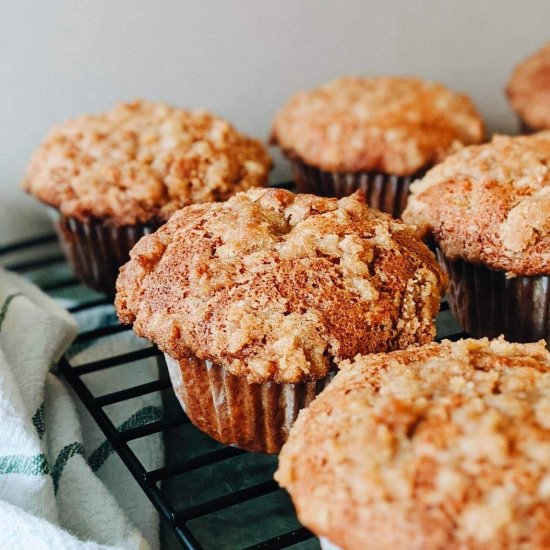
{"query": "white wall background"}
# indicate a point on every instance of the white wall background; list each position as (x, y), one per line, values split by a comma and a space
(240, 59)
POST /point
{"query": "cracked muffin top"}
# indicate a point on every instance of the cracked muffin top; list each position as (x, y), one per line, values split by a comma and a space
(141, 161)
(446, 446)
(276, 286)
(529, 89)
(396, 125)
(490, 204)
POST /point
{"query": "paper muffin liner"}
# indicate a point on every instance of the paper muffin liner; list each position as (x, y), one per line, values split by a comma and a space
(525, 129)
(384, 192)
(253, 417)
(487, 303)
(95, 250)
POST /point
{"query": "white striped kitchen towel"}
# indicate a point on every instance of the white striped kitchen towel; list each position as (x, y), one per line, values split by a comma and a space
(61, 486)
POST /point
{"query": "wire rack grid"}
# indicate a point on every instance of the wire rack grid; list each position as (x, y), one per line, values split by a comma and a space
(208, 496)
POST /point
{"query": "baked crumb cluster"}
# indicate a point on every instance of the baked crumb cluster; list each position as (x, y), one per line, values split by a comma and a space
(529, 89)
(277, 286)
(490, 204)
(441, 447)
(141, 161)
(388, 124)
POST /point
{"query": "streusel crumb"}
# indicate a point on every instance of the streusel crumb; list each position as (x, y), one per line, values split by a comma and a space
(490, 204)
(277, 286)
(443, 447)
(387, 124)
(141, 161)
(529, 89)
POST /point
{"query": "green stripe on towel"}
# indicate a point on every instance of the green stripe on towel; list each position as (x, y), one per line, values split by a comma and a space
(66, 453)
(140, 418)
(36, 465)
(39, 421)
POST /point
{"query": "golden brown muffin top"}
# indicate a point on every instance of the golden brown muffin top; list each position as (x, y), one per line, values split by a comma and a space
(141, 161)
(441, 447)
(277, 286)
(388, 124)
(490, 204)
(529, 89)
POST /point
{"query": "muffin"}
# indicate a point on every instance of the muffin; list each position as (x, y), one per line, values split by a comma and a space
(529, 91)
(113, 177)
(373, 134)
(256, 300)
(488, 210)
(445, 446)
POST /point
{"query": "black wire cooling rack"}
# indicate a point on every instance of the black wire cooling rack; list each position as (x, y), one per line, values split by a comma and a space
(209, 496)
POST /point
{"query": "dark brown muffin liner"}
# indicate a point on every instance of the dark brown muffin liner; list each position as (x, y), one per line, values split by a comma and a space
(384, 192)
(254, 417)
(524, 128)
(95, 250)
(487, 303)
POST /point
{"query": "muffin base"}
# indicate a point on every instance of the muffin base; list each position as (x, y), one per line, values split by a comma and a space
(95, 251)
(384, 192)
(253, 417)
(487, 303)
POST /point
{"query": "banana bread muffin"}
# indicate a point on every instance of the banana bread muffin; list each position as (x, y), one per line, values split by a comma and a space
(115, 176)
(529, 91)
(441, 447)
(255, 301)
(488, 209)
(374, 134)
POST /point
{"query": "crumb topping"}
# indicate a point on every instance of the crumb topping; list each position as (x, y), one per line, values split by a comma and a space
(490, 204)
(277, 286)
(388, 124)
(529, 89)
(141, 161)
(445, 446)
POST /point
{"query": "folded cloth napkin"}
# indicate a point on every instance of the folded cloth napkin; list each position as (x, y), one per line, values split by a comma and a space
(61, 486)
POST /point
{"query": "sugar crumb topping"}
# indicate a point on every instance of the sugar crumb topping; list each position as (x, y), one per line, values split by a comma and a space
(141, 161)
(490, 204)
(443, 446)
(529, 89)
(277, 286)
(389, 124)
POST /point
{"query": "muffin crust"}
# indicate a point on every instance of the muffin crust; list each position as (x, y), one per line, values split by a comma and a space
(490, 204)
(387, 124)
(141, 161)
(445, 446)
(277, 286)
(529, 89)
